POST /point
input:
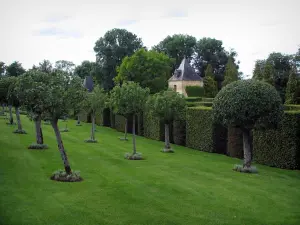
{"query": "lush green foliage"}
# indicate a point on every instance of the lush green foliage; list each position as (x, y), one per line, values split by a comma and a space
(15, 69)
(177, 47)
(153, 126)
(86, 68)
(210, 85)
(194, 91)
(110, 51)
(167, 105)
(95, 101)
(2, 69)
(161, 181)
(199, 129)
(246, 103)
(5, 83)
(292, 88)
(231, 73)
(148, 68)
(280, 147)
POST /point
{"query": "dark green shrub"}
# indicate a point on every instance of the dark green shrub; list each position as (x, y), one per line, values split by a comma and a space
(179, 132)
(153, 126)
(289, 107)
(120, 124)
(194, 91)
(199, 129)
(61, 175)
(279, 147)
(106, 117)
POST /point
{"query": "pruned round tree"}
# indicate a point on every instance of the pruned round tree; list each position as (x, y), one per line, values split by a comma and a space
(248, 105)
(130, 98)
(31, 90)
(95, 104)
(12, 97)
(168, 105)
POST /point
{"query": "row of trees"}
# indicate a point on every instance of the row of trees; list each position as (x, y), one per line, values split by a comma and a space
(121, 56)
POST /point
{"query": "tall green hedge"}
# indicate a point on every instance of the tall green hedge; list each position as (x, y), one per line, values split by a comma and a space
(179, 132)
(194, 91)
(235, 143)
(153, 127)
(281, 147)
(199, 129)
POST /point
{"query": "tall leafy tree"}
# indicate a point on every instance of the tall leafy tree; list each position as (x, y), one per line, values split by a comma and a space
(4, 90)
(86, 68)
(258, 72)
(15, 69)
(211, 51)
(292, 88)
(168, 105)
(297, 60)
(269, 73)
(177, 47)
(110, 51)
(132, 98)
(248, 104)
(66, 66)
(209, 83)
(45, 66)
(2, 69)
(148, 68)
(13, 100)
(95, 103)
(231, 73)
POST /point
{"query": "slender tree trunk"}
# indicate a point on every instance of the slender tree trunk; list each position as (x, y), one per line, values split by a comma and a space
(11, 119)
(61, 147)
(126, 125)
(247, 148)
(93, 127)
(78, 119)
(133, 134)
(167, 137)
(38, 131)
(18, 118)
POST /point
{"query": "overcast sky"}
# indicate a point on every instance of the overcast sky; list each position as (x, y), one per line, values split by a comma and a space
(33, 30)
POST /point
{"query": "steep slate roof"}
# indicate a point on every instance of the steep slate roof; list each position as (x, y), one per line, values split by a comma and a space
(185, 72)
(88, 83)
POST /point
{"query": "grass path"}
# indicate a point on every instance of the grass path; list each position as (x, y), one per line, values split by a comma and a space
(188, 187)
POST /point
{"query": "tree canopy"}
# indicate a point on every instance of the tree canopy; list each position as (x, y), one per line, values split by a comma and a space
(15, 69)
(209, 83)
(148, 68)
(86, 68)
(292, 88)
(231, 72)
(177, 47)
(110, 50)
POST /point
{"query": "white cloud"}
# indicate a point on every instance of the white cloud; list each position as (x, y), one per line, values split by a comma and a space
(253, 28)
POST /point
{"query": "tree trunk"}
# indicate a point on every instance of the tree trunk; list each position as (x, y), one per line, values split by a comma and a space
(61, 147)
(3, 108)
(11, 119)
(38, 131)
(247, 148)
(18, 118)
(167, 137)
(133, 134)
(126, 125)
(78, 119)
(93, 127)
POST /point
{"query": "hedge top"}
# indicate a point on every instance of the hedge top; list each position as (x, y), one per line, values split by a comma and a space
(248, 103)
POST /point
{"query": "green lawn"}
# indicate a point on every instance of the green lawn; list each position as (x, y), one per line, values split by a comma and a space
(188, 187)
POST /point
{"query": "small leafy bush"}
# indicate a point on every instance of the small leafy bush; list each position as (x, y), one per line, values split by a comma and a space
(240, 168)
(136, 156)
(38, 146)
(194, 91)
(20, 132)
(61, 175)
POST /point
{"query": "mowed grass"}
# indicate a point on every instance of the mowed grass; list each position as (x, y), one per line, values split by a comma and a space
(188, 187)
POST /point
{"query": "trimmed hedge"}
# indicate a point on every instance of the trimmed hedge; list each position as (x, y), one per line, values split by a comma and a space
(235, 143)
(153, 127)
(281, 147)
(292, 107)
(194, 91)
(179, 132)
(199, 129)
(193, 99)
